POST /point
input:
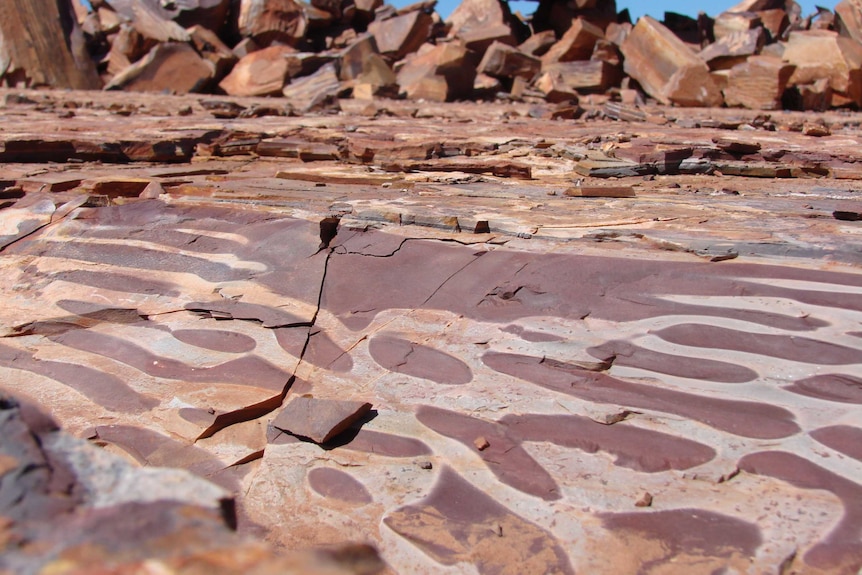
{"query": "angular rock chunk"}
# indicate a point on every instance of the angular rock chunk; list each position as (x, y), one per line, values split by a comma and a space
(150, 24)
(128, 47)
(539, 43)
(479, 23)
(576, 44)
(399, 36)
(758, 83)
(848, 19)
(439, 73)
(168, 67)
(212, 49)
(776, 22)
(354, 56)
(505, 61)
(319, 419)
(211, 14)
(269, 21)
(35, 43)
(733, 49)
(666, 68)
(821, 54)
(568, 78)
(261, 73)
(730, 22)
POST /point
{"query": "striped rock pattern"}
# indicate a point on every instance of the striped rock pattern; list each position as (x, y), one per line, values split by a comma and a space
(172, 332)
(667, 382)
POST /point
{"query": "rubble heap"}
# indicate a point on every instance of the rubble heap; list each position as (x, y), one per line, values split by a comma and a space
(759, 54)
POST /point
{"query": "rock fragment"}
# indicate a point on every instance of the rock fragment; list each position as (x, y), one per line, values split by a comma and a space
(666, 68)
(319, 420)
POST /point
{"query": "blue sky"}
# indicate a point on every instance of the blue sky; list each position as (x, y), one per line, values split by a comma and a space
(656, 8)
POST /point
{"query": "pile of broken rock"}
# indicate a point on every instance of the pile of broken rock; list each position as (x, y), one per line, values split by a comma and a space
(759, 54)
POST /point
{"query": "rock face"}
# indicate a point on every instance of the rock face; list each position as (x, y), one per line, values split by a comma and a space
(66, 505)
(551, 317)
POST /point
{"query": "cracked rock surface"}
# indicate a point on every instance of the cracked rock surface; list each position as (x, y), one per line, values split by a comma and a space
(538, 363)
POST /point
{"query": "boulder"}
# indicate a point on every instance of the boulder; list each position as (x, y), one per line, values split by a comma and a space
(504, 61)
(666, 68)
(819, 54)
(480, 23)
(169, 67)
(438, 73)
(576, 44)
(261, 73)
(37, 49)
(758, 83)
(396, 37)
(269, 21)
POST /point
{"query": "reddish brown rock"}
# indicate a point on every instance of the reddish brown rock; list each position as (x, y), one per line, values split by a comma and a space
(479, 23)
(758, 83)
(819, 54)
(319, 419)
(645, 500)
(576, 44)
(600, 192)
(149, 19)
(213, 50)
(457, 522)
(502, 60)
(731, 22)
(318, 89)
(666, 68)
(539, 43)
(437, 73)
(211, 14)
(128, 46)
(573, 77)
(848, 19)
(261, 73)
(37, 49)
(269, 21)
(396, 37)
(775, 21)
(170, 67)
(733, 49)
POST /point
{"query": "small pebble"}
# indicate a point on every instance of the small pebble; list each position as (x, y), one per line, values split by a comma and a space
(645, 500)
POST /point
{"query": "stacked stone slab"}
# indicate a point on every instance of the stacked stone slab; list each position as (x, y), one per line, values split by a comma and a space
(760, 54)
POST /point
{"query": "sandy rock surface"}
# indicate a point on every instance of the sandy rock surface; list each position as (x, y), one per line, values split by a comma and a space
(537, 362)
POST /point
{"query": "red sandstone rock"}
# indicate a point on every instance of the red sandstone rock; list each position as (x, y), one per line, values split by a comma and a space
(666, 68)
(261, 73)
(168, 67)
(396, 37)
(576, 44)
(758, 83)
(479, 23)
(36, 49)
(269, 21)
(848, 19)
(437, 73)
(502, 60)
(819, 54)
(319, 420)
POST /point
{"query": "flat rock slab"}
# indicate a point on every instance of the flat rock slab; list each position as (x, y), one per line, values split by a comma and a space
(536, 362)
(319, 419)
